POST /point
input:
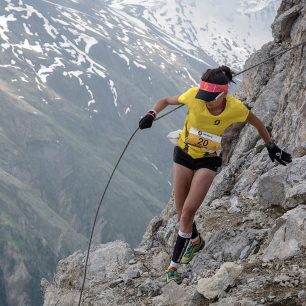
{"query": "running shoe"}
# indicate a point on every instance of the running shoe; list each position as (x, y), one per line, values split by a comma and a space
(191, 250)
(172, 274)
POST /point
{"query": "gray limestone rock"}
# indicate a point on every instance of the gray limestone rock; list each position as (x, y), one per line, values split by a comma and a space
(284, 186)
(234, 301)
(105, 264)
(107, 260)
(282, 25)
(289, 238)
(229, 245)
(226, 276)
(149, 287)
(174, 294)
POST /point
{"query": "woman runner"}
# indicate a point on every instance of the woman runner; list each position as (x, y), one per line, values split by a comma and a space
(197, 155)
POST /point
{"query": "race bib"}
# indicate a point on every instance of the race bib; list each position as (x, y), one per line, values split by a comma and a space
(200, 139)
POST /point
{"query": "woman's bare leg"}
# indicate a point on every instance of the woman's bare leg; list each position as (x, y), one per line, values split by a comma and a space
(182, 178)
(201, 181)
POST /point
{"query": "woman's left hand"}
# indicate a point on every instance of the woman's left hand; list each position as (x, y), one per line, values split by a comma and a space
(277, 154)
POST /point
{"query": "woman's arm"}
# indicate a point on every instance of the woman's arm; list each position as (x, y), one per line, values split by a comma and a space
(275, 152)
(256, 122)
(163, 103)
(147, 120)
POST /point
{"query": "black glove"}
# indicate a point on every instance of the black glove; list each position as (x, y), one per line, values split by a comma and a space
(147, 120)
(276, 153)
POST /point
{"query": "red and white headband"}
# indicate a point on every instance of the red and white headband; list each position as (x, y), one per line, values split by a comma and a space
(210, 87)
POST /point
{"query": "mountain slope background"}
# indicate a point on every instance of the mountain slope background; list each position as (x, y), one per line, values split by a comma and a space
(228, 31)
(75, 78)
(252, 219)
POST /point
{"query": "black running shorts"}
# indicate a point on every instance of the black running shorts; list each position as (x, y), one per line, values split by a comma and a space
(182, 158)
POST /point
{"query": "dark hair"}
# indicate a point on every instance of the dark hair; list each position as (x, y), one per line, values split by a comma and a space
(221, 75)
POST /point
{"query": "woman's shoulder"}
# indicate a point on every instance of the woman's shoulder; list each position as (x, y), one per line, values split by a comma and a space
(189, 95)
(234, 102)
(192, 90)
(237, 108)
(232, 99)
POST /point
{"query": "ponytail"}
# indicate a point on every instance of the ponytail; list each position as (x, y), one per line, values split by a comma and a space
(221, 75)
(228, 73)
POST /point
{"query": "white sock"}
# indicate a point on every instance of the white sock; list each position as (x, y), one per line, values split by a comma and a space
(184, 235)
(195, 239)
(174, 264)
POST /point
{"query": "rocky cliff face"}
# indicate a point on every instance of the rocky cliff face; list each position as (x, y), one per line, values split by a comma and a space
(253, 219)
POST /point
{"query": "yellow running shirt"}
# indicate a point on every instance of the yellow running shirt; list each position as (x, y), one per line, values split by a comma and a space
(202, 132)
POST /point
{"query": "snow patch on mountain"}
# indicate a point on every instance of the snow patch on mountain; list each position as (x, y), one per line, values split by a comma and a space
(136, 34)
(229, 31)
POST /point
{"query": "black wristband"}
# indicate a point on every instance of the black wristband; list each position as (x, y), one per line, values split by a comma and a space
(270, 145)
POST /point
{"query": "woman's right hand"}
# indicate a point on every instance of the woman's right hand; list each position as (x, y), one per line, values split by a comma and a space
(147, 120)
